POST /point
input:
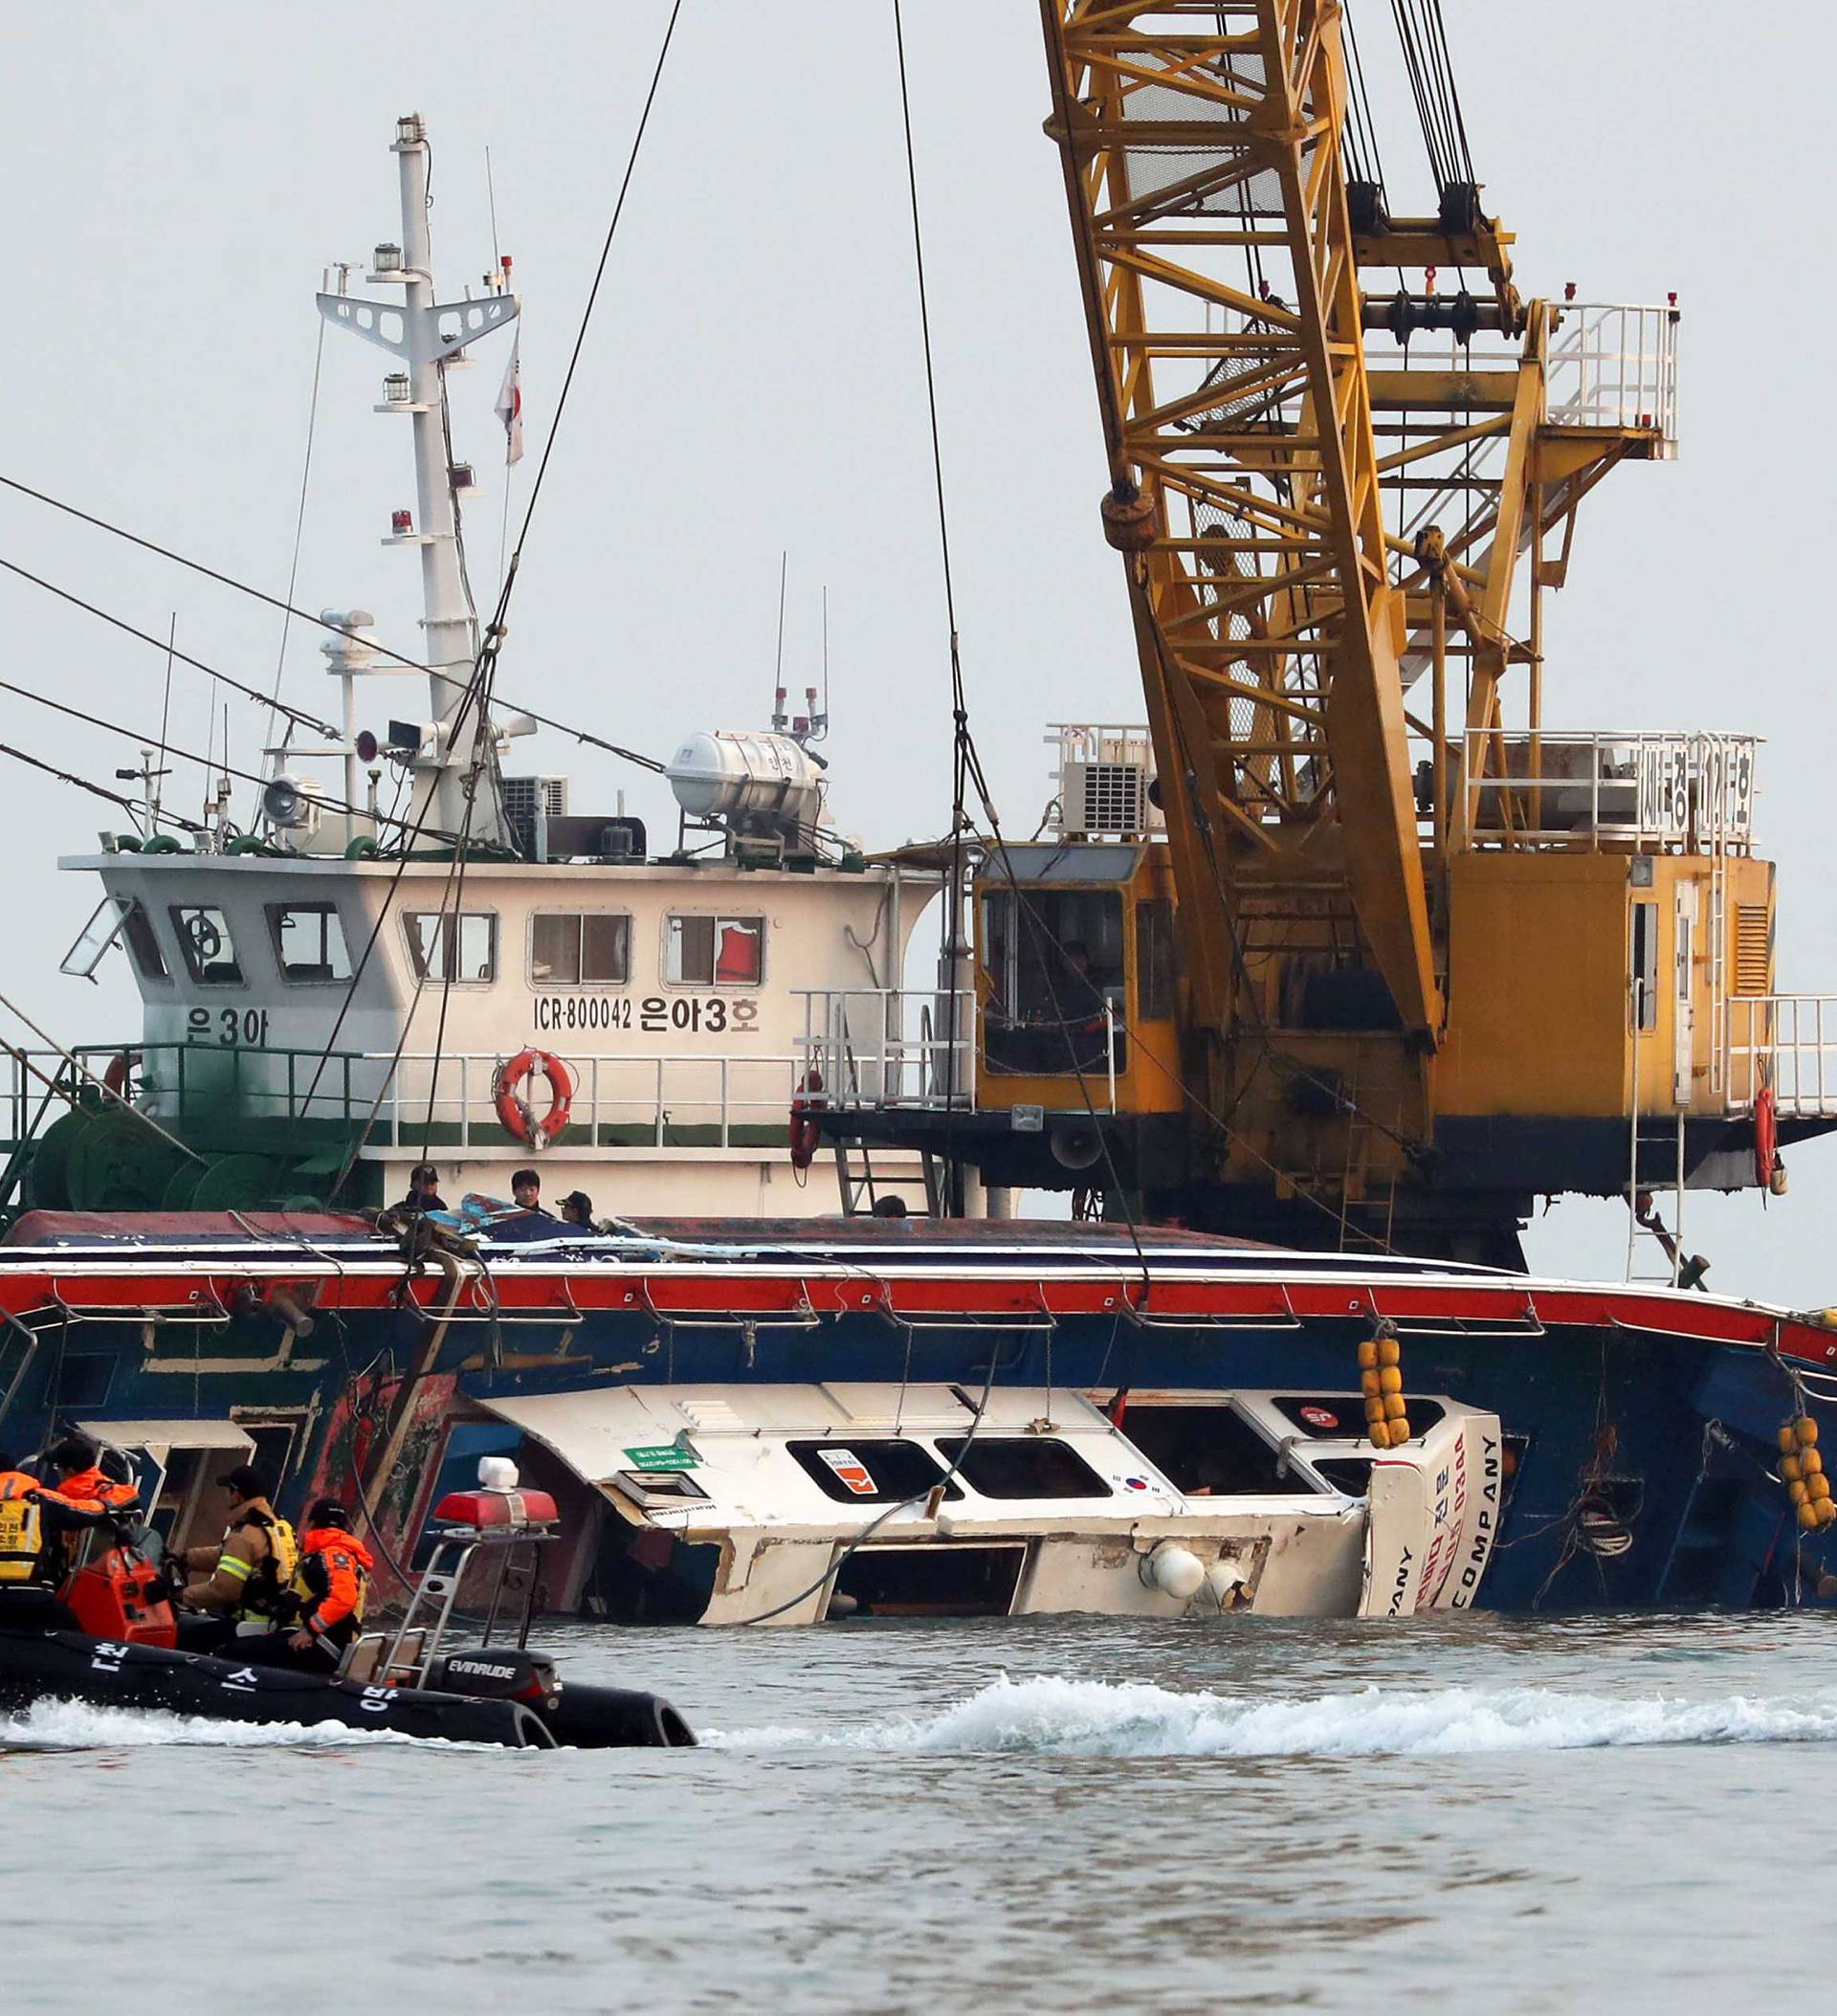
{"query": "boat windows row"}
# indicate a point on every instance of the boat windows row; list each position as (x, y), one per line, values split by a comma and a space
(566, 948)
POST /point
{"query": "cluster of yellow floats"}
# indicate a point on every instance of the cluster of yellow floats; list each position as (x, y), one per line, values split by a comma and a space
(1380, 1379)
(1804, 1469)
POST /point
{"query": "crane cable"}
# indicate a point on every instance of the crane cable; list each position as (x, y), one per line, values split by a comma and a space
(967, 768)
(299, 534)
(296, 715)
(292, 610)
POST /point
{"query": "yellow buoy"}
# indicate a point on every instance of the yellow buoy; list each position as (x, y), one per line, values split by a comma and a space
(1381, 1434)
(1788, 1441)
(1367, 1355)
(1796, 1492)
(1391, 1380)
(1400, 1432)
(1374, 1409)
(1805, 1429)
(1817, 1487)
(1809, 1517)
(1790, 1469)
(1826, 1510)
(1394, 1406)
(1368, 1385)
(1810, 1462)
(1389, 1351)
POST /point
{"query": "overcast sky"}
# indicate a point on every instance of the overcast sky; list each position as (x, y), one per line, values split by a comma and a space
(178, 177)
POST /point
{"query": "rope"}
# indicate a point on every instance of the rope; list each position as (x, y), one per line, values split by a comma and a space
(294, 714)
(304, 616)
(299, 531)
(967, 768)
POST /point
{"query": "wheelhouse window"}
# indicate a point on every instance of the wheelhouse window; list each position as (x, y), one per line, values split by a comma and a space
(117, 917)
(142, 943)
(1053, 974)
(467, 956)
(714, 951)
(869, 1472)
(590, 948)
(1022, 1467)
(309, 941)
(210, 951)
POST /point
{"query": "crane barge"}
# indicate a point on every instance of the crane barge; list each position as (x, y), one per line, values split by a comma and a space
(1349, 945)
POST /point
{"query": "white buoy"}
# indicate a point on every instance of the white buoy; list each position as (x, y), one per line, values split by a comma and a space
(1176, 1571)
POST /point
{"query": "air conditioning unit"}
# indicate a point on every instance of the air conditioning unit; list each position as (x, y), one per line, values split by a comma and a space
(530, 803)
(1106, 797)
(1104, 779)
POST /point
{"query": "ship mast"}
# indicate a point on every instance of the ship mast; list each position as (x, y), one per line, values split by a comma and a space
(424, 334)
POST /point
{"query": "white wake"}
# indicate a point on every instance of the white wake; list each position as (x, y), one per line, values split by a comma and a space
(1056, 1717)
(80, 1725)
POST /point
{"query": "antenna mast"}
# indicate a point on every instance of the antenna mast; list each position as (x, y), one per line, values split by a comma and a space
(424, 334)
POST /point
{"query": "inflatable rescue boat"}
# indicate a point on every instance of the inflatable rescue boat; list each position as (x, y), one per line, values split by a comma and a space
(126, 1652)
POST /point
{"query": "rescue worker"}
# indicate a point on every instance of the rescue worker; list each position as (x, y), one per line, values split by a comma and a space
(246, 1578)
(81, 1478)
(332, 1584)
(21, 1524)
(39, 1531)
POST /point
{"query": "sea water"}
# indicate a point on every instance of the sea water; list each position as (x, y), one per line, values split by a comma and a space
(1056, 1814)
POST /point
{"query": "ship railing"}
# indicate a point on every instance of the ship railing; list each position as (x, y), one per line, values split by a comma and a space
(698, 1099)
(1786, 1043)
(686, 1099)
(888, 1047)
(1613, 364)
(1581, 790)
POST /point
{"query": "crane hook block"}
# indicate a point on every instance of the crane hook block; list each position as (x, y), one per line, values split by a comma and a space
(1129, 519)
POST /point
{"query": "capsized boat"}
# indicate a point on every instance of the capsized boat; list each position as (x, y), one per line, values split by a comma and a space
(407, 1681)
(1639, 1459)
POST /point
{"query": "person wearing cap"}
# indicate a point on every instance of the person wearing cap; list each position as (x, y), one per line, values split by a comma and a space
(243, 1581)
(576, 1208)
(329, 1589)
(335, 1581)
(424, 1190)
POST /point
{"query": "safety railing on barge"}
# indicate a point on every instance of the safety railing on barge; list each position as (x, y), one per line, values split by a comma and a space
(1785, 1045)
(1585, 789)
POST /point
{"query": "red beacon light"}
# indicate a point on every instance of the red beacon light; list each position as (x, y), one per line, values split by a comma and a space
(401, 524)
(497, 1505)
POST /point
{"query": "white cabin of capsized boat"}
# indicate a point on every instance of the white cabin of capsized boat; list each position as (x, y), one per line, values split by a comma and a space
(830, 1500)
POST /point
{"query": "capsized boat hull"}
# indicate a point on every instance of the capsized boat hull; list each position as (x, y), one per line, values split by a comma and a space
(1640, 1423)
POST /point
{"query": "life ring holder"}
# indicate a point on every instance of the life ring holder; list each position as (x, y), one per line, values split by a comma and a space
(805, 1135)
(1766, 1137)
(515, 1114)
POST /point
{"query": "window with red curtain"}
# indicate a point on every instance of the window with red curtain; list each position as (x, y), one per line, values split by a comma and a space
(738, 941)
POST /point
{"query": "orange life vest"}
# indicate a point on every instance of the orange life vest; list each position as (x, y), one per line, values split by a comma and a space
(98, 1488)
(334, 1580)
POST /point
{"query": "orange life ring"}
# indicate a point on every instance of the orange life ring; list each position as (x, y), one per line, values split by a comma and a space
(807, 1136)
(1766, 1136)
(114, 1077)
(515, 1114)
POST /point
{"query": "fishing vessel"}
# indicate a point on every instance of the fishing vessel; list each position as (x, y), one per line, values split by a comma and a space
(1283, 960)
